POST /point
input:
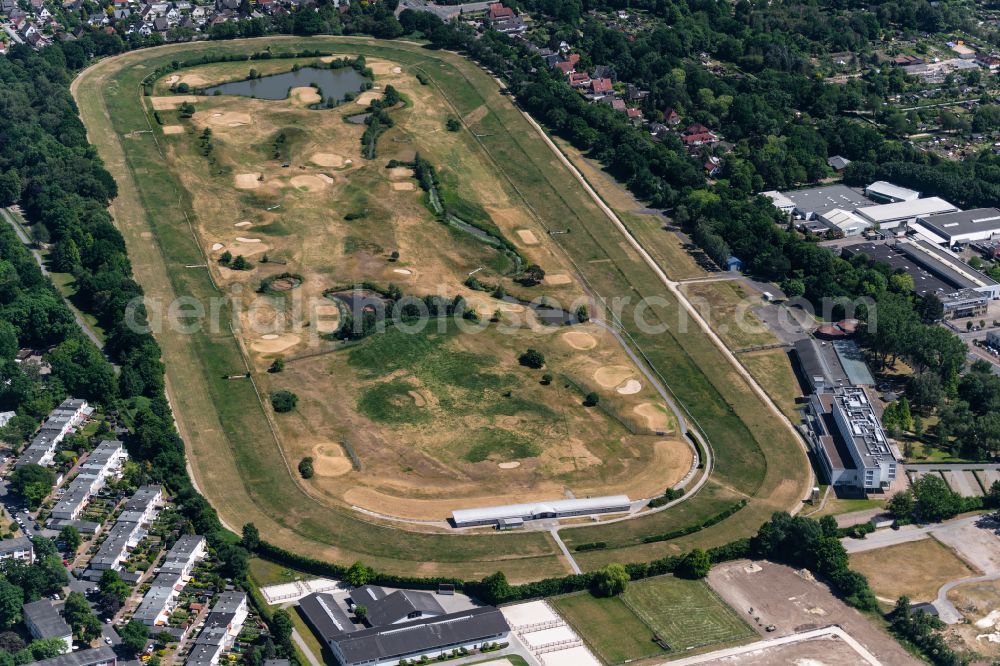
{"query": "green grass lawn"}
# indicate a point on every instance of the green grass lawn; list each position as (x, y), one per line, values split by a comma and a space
(608, 627)
(685, 613)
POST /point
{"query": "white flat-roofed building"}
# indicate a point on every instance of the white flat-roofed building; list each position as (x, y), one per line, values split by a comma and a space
(566, 508)
(892, 215)
(962, 227)
(844, 432)
(809, 203)
(129, 529)
(174, 574)
(886, 192)
(844, 221)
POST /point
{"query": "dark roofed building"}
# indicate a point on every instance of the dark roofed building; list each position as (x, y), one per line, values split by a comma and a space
(426, 636)
(403, 605)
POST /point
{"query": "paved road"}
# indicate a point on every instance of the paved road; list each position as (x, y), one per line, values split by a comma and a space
(554, 531)
(946, 610)
(891, 537)
(930, 467)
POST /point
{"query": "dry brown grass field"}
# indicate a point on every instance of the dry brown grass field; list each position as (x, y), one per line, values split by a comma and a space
(437, 417)
(916, 569)
(179, 211)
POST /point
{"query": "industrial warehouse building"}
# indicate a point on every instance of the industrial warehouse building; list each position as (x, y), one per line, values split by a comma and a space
(404, 625)
(892, 215)
(844, 433)
(885, 192)
(827, 365)
(964, 291)
(813, 202)
(514, 515)
(962, 227)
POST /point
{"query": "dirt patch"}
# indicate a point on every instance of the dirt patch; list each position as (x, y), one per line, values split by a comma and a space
(579, 340)
(656, 416)
(171, 102)
(781, 596)
(229, 119)
(285, 284)
(366, 98)
(327, 160)
(309, 183)
(418, 399)
(611, 376)
(558, 278)
(400, 173)
(527, 236)
(404, 187)
(173, 129)
(329, 460)
(194, 80)
(248, 181)
(306, 95)
(273, 343)
(630, 387)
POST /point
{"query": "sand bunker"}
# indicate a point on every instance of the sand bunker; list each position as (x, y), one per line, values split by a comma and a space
(247, 240)
(248, 181)
(171, 102)
(402, 271)
(309, 183)
(630, 387)
(329, 460)
(273, 343)
(327, 160)
(194, 80)
(306, 95)
(580, 340)
(325, 178)
(172, 79)
(527, 236)
(217, 246)
(146, 234)
(173, 129)
(244, 223)
(557, 278)
(612, 375)
(365, 98)
(400, 173)
(404, 187)
(229, 119)
(655, 415)
(509, 465)
(418, 399)
(327, 318)
(397, 70)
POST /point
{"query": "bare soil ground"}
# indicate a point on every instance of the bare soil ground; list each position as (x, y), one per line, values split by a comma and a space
(795, 602)
(979, 604)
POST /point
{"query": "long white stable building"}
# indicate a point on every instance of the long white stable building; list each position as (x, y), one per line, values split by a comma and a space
(514, 515)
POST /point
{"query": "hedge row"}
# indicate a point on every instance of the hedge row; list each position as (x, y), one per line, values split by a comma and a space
(691, 529)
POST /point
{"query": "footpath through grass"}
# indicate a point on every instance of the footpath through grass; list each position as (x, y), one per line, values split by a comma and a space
(239, 465)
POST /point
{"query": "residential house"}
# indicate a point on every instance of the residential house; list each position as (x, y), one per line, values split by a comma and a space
(579, 79)
(671, 117)
(601, 88)
(19, 548)
(44, 621)
(605, 72)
